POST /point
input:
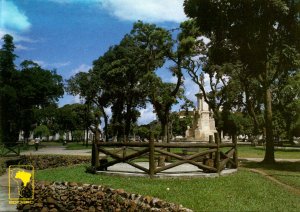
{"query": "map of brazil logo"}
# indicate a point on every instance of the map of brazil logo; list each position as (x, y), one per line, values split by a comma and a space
(21, 184)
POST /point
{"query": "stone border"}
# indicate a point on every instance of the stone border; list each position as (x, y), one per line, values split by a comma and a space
(70, 196)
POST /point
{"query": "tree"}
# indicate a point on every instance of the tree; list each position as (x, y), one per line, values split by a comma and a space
(264, 37)
(287, 104)
(37, 88)
(22, 92)
(41, 131)
(163, 95)
(8, 93)
(214, 78)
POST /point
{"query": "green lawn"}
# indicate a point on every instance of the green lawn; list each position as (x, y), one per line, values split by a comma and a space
(257, 152)
(77, 146)
(242, 191)
(286, 172)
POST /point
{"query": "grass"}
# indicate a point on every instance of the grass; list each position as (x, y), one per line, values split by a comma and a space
(242, 191)
(286, 172)
(77, 146)
(256, 152)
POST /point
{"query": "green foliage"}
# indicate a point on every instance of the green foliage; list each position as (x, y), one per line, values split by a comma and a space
(262, 36)
(143, 131)
(41, 131)
(23, 91)
(179, 125)
(78, 135)
(237, 123)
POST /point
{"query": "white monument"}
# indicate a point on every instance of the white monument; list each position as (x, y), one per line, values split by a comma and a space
(203, 123)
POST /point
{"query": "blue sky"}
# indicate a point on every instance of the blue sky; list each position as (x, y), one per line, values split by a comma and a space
(68, 35)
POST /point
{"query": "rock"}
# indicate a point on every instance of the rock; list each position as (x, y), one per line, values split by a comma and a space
(50, 200)
(63, 198)
(53, 210)
(158, 204)
(92, 209)
(26, 207)
(100, 194)
(72, 184)
(44, 209)
(38, 205)
(147, 199)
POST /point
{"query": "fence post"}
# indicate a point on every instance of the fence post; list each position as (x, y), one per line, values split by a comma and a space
(235, 154)
(217, 157)
(151, 156)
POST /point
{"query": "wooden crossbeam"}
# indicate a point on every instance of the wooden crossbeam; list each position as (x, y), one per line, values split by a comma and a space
(164, 145)
(138, 166)
(201, 154)
(126, 159)
(184, 160)
(169, 154)
(224, 161)
(199, 165)
(15, 149)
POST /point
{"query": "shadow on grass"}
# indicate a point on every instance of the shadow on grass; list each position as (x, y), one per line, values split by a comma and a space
(278, 166)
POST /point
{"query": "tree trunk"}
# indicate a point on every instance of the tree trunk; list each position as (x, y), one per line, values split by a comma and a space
(95, 152)
(87, 137)
(289, 132)
(269, 154)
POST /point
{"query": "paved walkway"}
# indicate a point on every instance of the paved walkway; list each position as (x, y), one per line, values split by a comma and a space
(4, 206)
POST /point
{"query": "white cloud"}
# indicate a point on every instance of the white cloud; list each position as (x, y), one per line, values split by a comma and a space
(22, 47)
(12, 18)
(133, 10)
(147, 115)
(74, 1)
(16, 36)
(76, 99)
(81, 68)
(52, 65)
(150, 10)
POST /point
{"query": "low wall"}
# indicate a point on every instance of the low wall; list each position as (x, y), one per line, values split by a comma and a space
(68, 196)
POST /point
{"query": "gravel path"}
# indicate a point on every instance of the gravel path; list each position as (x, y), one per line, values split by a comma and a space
(58, 150)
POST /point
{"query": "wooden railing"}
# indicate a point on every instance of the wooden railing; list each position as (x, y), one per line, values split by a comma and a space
(6, 148)
(208, 157)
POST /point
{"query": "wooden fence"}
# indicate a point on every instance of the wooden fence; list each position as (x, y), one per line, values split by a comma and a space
(7, 148)
(208, 157)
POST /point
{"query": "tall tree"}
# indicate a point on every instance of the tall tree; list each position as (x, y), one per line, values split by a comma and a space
(22, 91)
(264, 34)
(215, 79)
(8, 93)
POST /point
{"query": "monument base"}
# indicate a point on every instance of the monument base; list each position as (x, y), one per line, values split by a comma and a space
(203, 135)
